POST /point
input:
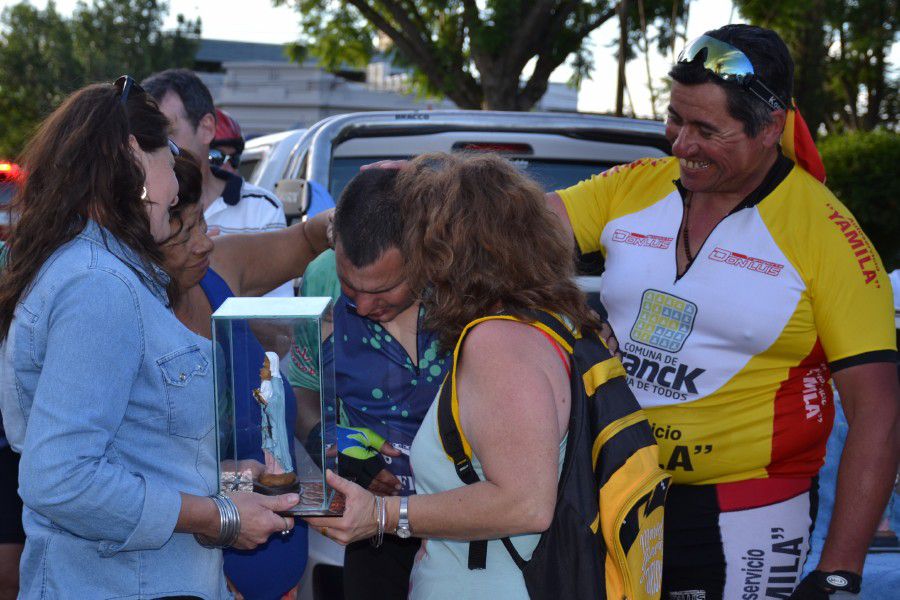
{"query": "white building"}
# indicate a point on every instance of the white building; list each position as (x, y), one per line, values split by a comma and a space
(265, 92)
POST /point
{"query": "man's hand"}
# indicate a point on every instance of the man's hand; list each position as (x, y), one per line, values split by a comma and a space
(385, 484)
(609, 338)
(361, 450)
(362, 443)
(386, 164)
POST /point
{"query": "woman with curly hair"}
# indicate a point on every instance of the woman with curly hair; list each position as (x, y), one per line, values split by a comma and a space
(479, 240)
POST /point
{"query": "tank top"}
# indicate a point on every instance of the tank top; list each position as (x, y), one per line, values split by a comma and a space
(441, 566)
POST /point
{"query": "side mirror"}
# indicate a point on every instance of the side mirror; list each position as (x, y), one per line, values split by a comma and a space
(292, 193)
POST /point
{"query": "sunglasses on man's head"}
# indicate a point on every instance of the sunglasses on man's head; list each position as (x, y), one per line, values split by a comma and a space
(218, 158)
(730, 64)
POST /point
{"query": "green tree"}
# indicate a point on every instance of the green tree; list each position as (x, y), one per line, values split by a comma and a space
(44, 55)
(842, 79)
(492, 54)
(862, 172)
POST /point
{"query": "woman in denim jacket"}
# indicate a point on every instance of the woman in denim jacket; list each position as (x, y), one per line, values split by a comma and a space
(105, 393)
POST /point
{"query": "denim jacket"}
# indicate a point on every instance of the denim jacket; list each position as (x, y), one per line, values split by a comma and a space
(109, 399)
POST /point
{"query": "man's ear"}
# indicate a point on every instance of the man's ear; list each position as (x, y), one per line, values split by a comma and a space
(772, 132)
(206, 129)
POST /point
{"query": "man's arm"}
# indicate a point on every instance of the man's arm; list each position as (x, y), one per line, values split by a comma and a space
(555, 204)
(870, 395)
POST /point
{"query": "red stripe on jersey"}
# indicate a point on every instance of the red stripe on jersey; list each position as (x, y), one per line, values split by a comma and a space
(754, 493)
(804, 414)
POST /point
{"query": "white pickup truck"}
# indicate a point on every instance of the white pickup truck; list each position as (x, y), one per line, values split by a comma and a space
(556, 149)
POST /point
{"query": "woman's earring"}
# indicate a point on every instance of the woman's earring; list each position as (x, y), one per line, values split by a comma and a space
(144, 193)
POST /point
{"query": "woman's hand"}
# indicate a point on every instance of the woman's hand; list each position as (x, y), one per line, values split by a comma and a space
(258, 518)
(358, 521)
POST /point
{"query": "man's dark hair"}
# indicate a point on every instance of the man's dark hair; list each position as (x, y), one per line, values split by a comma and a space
(193, 92)
(771, 61)
(367, 219)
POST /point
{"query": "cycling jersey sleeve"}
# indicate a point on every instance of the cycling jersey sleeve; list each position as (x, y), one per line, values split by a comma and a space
(614, 193)
(849, 291)
(587, 204)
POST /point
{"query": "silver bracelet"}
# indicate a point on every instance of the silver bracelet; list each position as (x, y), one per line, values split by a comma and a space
(378, 538)
(229, 524)
(382, 521)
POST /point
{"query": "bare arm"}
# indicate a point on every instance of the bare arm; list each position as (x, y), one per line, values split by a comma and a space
(871, 399)
(514, 395)
(308, 414)
(256, 263)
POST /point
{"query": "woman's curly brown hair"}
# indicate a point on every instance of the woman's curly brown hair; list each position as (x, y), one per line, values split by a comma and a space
(479, 238)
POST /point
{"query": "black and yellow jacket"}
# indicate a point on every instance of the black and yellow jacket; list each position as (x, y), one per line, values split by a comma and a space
(605, 540)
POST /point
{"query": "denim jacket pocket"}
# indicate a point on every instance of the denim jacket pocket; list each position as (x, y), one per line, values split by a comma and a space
(189, 396)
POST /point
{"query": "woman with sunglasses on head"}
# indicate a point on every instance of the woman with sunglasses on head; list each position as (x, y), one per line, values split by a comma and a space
(205, 272)
(106, 395)
(742, 285)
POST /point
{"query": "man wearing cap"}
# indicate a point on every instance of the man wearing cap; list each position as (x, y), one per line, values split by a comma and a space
(230, 204)
(738, 286)
(228, 144)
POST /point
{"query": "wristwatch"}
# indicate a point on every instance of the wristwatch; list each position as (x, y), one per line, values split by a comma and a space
(403, 531)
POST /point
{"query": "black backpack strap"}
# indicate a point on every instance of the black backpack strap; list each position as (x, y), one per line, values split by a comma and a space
(453, 447)
(452, 439)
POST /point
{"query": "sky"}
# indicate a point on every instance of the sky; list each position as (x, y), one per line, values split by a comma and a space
(259, 21)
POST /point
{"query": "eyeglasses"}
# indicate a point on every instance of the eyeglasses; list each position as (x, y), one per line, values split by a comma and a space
(218, 158)
(730, 64)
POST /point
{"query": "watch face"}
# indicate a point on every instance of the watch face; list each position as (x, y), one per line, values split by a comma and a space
(837, 581)
(403, 533)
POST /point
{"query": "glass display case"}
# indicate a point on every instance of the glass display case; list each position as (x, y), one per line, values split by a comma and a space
(268, 442)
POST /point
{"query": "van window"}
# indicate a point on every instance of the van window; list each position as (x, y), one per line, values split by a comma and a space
(248, 168)
(551, 174)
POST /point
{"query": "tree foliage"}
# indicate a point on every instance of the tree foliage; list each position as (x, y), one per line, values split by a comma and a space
(843, 79)
(862, 172)
(493, 54)
(44, 55)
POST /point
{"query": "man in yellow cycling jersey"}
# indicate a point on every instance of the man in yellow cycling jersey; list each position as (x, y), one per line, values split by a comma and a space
(738, 285)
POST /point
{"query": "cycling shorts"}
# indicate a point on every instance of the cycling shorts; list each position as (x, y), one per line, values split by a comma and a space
(737, 541)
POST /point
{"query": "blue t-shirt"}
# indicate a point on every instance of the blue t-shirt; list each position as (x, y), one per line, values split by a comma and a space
(273, 568)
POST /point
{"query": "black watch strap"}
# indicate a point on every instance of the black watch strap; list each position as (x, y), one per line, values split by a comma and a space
(838, 581)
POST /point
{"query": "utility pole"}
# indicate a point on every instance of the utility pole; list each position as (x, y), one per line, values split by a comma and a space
(623, 51)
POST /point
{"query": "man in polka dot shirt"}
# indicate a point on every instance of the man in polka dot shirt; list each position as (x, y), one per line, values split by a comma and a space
(387, 369)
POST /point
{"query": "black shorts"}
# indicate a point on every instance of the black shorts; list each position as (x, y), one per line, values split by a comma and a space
(11, 531)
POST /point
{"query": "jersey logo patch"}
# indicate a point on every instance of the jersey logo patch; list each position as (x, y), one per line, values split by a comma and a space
(641, 239)
(665, 321)
(746, 262)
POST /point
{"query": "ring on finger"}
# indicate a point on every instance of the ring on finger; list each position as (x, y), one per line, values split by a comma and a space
(287, 527)
(324, 531)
